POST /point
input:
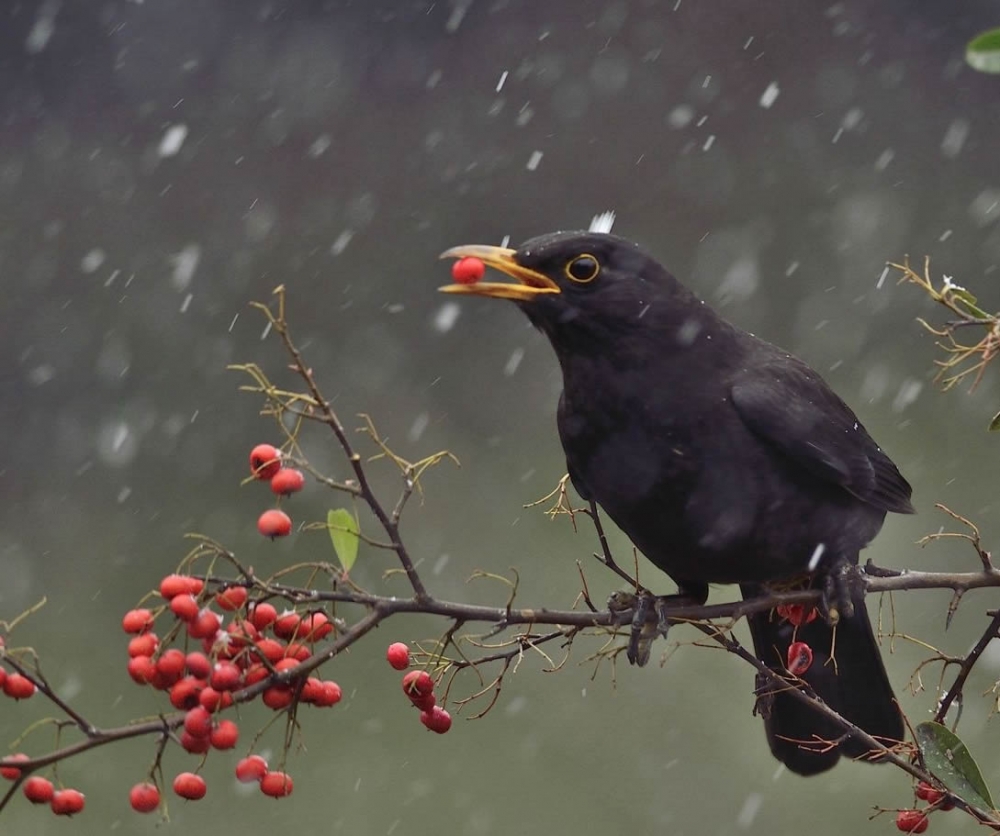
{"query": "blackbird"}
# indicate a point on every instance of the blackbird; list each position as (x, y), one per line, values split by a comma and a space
(723, 458)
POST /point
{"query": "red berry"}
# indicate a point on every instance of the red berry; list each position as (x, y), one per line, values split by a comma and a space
(185, 607)
(286, 664)
(468, 270)
(144, 798)
(437, 719)
(195, 745)
(270, 649)
(287, 481)
(231, 599)
(797, 614)
(312, 690)
(398, 655)
(66, 802)
(198, 722)
(225, 676)
(276, 784)
(263, 615)
(241, 634)
(418, 684)
(330, 694)
(18, 687)
(254, 674)
(197, 665)
(424, 703)
(277, 697)
(800, 658)
(190, 786)
(12, 773)
(3, 675)
(287, 624)
(173, 585)
(933, 796)
(274, 523)
(212, 700)
(265, 461)
(250, 769)
(205, 626)
(137, 621)
(298, 652)
(321, 693)
(38, 790)
(225, 735)
(315, 626)
(912, 821)
(184, 694)
(171, 665)
(141, 669)
(144, 644)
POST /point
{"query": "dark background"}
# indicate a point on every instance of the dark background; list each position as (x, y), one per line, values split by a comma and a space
(337, 148)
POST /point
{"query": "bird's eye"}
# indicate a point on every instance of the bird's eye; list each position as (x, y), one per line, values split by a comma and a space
(583, 269)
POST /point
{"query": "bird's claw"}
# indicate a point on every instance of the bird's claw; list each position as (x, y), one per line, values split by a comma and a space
(838, 592)
(644, 629)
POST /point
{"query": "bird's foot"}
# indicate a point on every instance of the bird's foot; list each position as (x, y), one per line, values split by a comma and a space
(839, 587)
(645, 629)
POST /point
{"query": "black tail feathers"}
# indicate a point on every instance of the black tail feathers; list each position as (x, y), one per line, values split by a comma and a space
(846, 672)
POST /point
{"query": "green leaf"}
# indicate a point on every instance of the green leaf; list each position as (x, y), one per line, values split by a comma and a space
(344, 529)
(948, 759)
(967, 299)
(995, 424)
(983, 52)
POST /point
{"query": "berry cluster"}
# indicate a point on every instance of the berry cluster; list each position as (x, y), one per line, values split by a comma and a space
(419, 687)
(242, 643)
(265, 465)
(39, 790)
(916, 821)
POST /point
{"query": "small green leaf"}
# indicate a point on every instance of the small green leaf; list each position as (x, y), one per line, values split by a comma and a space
(983, 52)
(995, 424)
(948, 759)
(963, 294)
(343, 527)
(967, 299)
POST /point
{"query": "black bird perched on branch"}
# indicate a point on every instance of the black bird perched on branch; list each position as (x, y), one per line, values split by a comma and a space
(722, 457)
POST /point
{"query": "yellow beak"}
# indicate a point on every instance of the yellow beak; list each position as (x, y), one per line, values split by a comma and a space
(532, 283)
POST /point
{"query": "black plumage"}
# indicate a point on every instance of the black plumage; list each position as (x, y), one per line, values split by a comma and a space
(723, 458)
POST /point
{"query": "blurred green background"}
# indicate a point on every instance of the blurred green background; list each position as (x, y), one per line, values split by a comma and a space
(164, 162)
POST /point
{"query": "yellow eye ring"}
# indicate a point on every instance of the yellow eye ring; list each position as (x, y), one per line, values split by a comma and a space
(583, 269)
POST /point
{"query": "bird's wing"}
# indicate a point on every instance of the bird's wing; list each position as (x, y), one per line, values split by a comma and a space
(790, 408)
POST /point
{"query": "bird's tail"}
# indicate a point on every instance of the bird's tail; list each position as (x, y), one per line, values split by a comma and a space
(842, 665)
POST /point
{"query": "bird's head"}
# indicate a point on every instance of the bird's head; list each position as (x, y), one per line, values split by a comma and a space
(583, 289)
